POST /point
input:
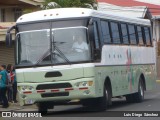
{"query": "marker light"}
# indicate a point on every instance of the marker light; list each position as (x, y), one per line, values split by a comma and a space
(25, 88)
(84, 84)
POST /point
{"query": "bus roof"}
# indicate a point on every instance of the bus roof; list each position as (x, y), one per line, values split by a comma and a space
(62, 13)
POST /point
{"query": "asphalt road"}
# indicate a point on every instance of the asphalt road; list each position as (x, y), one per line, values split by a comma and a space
(150, 103)
(119, 107)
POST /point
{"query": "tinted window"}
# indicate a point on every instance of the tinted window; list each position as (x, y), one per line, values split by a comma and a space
(132, 34)
(140, 36)
(124, 34)
(105, 32)
(96, 36)
(147, 36)
(115, 32)
(33, 26)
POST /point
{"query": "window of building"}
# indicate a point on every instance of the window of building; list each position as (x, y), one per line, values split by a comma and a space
(17, 13)
(3, 18)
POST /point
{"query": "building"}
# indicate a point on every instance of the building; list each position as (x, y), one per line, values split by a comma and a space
(10, 10)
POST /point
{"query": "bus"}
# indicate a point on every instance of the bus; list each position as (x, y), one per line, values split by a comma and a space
(82, 55)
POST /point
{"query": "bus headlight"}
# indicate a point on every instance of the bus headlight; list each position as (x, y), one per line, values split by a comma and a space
(30, 88)
(25, 88)
(84, 84)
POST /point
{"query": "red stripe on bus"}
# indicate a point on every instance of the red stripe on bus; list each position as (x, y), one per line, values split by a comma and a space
(84, 88)
(40, 91)
(68, 89)
(55, 90)
(27, 92)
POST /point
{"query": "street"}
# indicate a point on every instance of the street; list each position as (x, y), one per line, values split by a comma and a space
(151, 103)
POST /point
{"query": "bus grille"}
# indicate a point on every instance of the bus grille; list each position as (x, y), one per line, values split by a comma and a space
(53, 86)
(55, 94)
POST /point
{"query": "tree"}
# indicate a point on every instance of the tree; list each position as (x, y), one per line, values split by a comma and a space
(51, 4)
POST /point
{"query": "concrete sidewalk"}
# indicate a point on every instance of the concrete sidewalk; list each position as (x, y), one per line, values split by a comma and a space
(17, 107)
(158, 81)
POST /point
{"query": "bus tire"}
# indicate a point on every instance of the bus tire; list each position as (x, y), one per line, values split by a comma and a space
(139, 96)
(130, 98)
(103, 101)
(97, 104)
(42, 108)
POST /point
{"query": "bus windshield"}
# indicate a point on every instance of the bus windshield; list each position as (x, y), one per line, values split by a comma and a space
(53, 46)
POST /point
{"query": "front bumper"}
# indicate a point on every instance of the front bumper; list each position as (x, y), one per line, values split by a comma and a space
(58, 94)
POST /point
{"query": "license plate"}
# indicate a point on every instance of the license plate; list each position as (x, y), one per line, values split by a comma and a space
(29, 101)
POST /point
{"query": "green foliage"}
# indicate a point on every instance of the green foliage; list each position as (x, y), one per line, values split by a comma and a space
(49, 4)
(27, 11)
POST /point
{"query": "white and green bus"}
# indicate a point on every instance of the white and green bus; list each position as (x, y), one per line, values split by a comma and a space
(69, 54)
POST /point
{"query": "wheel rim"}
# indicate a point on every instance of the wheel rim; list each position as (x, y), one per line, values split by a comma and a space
(106, 94)
(141, 90)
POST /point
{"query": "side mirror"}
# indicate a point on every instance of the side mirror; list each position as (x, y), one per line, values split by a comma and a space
(9, 36)
(9, 39)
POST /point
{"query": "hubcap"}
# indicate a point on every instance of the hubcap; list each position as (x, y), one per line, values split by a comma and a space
(107, 94)
(141, 91)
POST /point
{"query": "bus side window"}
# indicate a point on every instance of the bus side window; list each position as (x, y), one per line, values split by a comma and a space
(105, 32)
(140, 35)
(96, 36)
(147, 36)
(125, 36)
(115, 33)
(150, 35)
(132, 34)
(97, 46)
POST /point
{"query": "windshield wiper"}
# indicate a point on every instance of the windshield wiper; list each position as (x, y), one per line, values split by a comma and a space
(43, 56)
(61, 55)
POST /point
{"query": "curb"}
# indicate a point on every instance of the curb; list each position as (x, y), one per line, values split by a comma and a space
(158, 81)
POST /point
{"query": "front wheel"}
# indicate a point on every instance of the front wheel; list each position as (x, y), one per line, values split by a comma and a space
(42, 108)
(105, 99)
(139, 96)
(100, 103)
